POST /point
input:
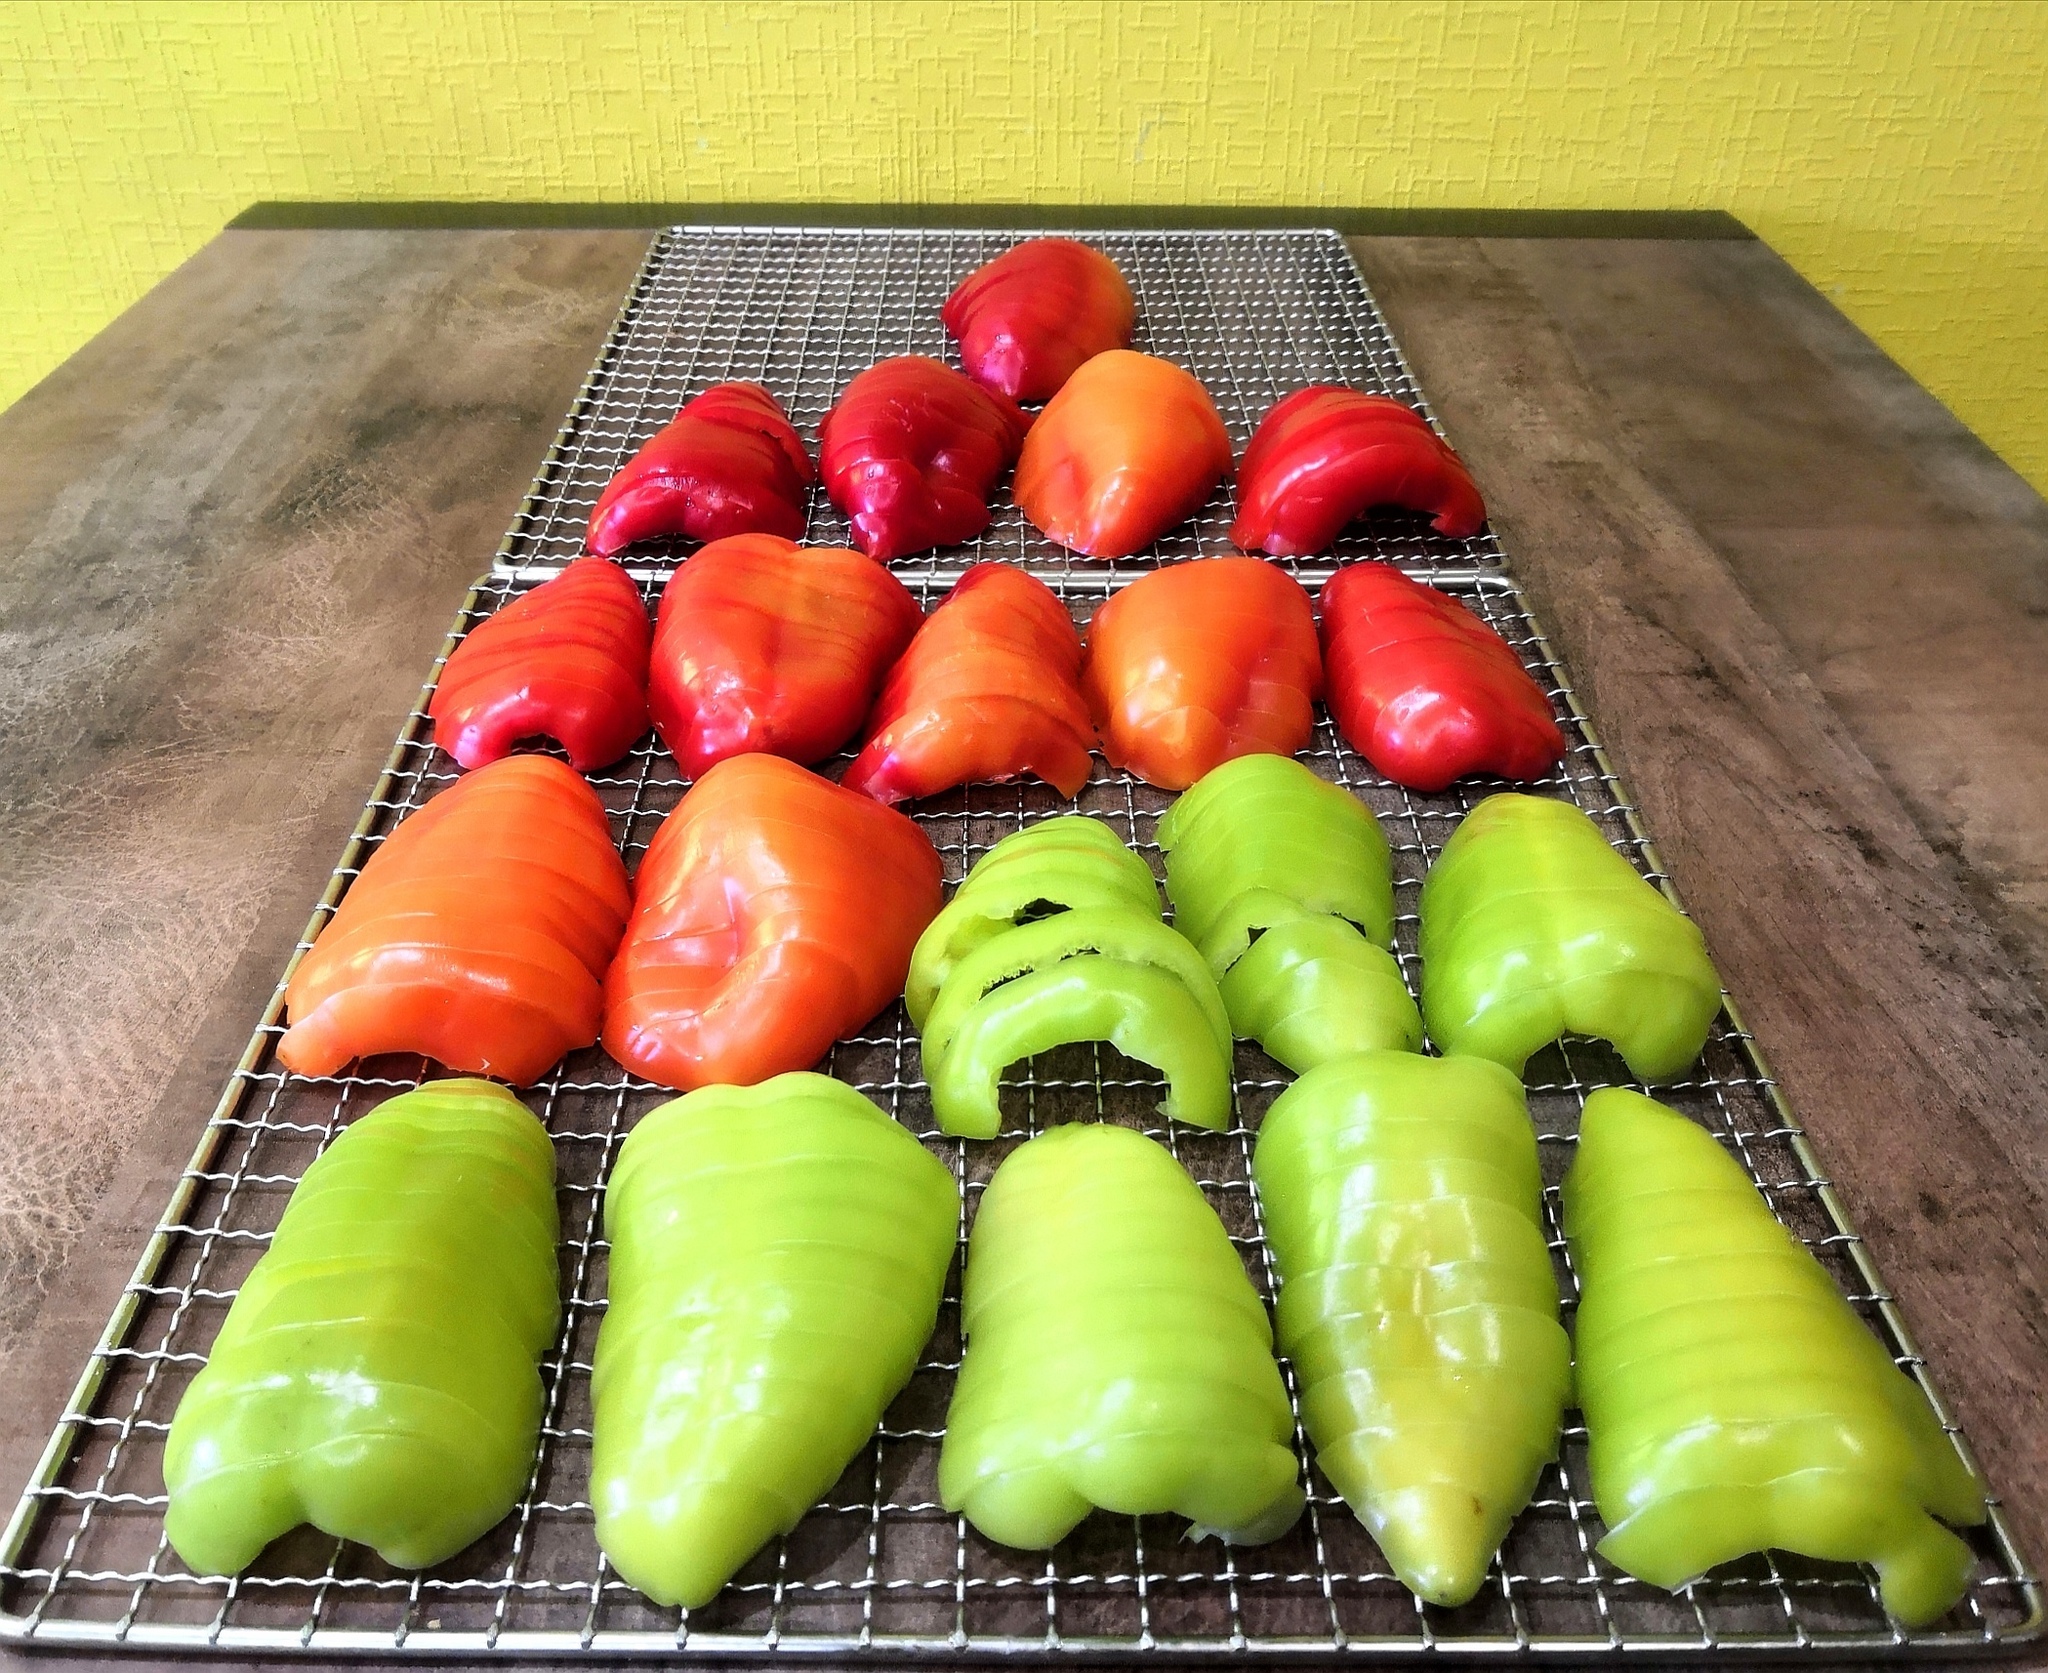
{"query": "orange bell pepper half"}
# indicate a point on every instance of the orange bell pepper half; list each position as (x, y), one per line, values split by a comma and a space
(987, 691)
(1130, 446)
(774, 912)
(1196, 665)
(567, 660)
(477, 935)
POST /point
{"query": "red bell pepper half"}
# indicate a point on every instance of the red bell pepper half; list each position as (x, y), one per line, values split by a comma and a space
(987, 691)
(774, 913)
(728, 463)
(1025, 320)
(911, 451)
(567, 660)
(1326, 454)
(1196, 665)
(765, 646)
(1129, 447)
(1424, 689)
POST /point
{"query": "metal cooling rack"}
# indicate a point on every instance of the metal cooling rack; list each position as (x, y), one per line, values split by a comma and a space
(879, 1569)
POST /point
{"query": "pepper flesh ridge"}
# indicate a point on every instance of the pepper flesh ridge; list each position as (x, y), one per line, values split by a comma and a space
(1130, 446)
(777, 1257)
(378, 1372)
(728, 463)
(1027, 319)
(774, 912)
(1403, 1204)
(477, 934)
(988, 690)
(567, 660)
(1192, 666)
(1423, 689)
(1117, 1355)
(911, 451)
(1533, 926)
(765, 646)
(1327, 454)
(1733, 1399)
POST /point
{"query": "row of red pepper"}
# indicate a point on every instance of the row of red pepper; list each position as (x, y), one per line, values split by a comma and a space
(1128, 446)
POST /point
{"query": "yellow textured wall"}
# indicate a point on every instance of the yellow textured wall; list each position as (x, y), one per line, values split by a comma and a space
(1897, 155)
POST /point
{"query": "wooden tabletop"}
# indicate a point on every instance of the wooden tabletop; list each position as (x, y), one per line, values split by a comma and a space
(1808, 610)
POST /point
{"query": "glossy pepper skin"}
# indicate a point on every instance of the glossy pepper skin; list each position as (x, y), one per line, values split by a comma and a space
(777, 1257)
(988, 690)
(1067, 861)
(911, 453)
(1117, 1356)
(1326, 454)
(1734, 1401)
(1025, 320)
(1285, 885)
(477, 935)
(1425, 690)
(1195, 665)
(764, 646)
(728, 463)
(1532, 927)
(1403, 1207)
(773, 913)
(567, 660)
(1130, 446)
(378, 1373)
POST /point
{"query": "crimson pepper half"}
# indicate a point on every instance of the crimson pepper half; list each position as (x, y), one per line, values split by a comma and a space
(986, 691)
(765, 646)
(1325, 454)
(1424, 689)
(568, 660)
(1196, 665)
(773, 913)
(1025, 320)
(728, 463)
(1130, 446)
(911, 451)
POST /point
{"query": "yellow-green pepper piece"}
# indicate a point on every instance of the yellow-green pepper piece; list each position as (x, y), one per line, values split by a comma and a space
(777, 1257)
(1311, 989)
(378, 1373)
(1068, 861)
(1734, 1401)
(1402, 1205)
(1117, 1355)
(1533, 927)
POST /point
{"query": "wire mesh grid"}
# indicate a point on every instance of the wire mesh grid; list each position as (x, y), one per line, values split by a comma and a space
(879, 1568)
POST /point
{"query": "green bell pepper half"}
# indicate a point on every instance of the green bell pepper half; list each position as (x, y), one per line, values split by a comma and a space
(1117, 1354)
(1734, 1401)
(1533, 927)
(777, 1257)
(1313, 989)
(1064, 862)
(1402, 1205)
(378, 1372)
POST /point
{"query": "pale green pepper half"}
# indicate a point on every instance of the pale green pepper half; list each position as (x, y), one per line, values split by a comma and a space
(378, 1373)
(1402, 1204)
(1533, 927)
(777, 1257)
(1279, 879)
(1068, 861)
(1117, 1355)
(1734, 1401)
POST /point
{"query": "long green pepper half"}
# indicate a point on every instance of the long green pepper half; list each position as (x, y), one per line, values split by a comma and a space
(1533, 926)
(377, 1375)
(1117, 1355)
(777, 1256)
(1734, 1401)
(1402, 1205)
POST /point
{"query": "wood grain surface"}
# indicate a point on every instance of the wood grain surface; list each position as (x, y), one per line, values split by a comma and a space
(1807, 610)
